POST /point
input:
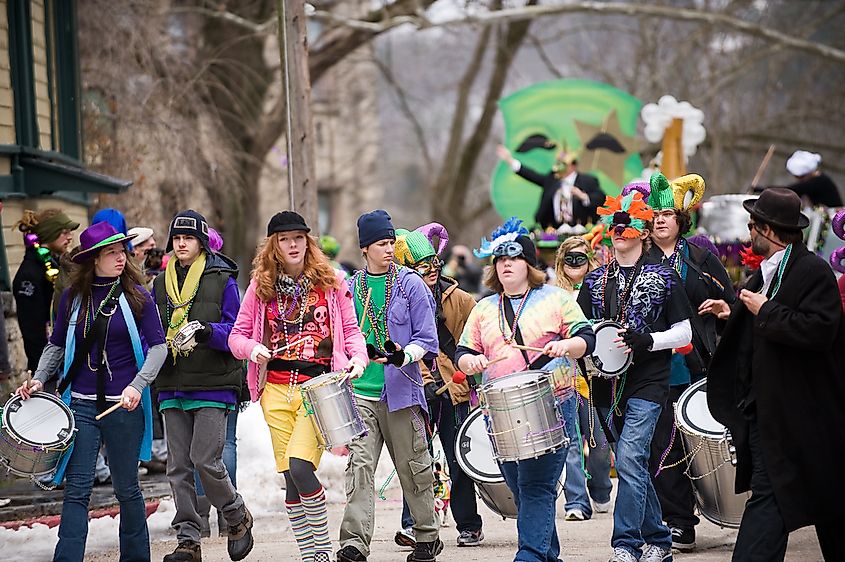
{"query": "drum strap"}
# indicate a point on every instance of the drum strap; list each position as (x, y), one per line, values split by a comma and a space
(542, 360)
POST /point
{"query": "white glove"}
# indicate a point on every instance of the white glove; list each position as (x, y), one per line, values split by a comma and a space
(260, 352)
(185, 341)
(355, 368)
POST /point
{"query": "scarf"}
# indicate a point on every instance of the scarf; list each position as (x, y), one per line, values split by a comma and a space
(180, 300)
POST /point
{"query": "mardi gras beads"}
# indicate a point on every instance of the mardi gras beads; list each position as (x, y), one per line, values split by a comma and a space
(44, 255)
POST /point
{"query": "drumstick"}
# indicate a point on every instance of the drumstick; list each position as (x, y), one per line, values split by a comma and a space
(527, 348)
(763, 166)
(443, 388)
(366, 306)
(279, 349)
(116, 406)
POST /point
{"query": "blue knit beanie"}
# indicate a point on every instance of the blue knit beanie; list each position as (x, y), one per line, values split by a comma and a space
(374, 226)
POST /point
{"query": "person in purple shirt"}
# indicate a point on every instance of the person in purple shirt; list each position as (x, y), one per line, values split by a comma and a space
(112, 354)
(199, 384)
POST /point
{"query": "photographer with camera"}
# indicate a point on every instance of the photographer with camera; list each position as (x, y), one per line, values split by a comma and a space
(146, 254)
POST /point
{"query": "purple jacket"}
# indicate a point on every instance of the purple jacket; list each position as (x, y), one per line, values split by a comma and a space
(410, 319)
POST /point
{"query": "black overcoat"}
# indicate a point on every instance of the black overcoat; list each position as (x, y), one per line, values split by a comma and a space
(794, 349)
(581, 213)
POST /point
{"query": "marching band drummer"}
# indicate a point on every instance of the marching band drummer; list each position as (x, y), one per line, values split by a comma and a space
(112, 353)
(635, 290)
(525, 311)
(296, 322)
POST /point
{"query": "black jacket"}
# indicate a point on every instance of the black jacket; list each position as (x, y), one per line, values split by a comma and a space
(581, 214)
(820, 190)
(791, 353)
(33, 298)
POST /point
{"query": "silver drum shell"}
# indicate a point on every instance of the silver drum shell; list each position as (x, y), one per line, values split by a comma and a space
(335, 415)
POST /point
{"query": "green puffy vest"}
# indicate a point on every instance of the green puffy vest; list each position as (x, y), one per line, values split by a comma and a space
(204, 368)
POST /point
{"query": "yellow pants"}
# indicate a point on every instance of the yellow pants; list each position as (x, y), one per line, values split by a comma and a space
(292, 433)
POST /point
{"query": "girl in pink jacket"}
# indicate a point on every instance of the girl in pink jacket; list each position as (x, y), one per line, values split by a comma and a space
(296, 321)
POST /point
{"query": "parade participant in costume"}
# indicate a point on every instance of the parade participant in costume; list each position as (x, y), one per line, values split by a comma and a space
(526, 311)
(779, 362)
(811, 182)
(397, 311)
(703, 277)
(569, 197)
(646, 297)
(199, 385)
(298, 303)
(449, 409)
(47, 235)
(108, 345)
(574, 259)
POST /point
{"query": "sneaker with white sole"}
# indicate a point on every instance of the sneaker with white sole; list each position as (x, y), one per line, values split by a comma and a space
(575, 515)
(683, 539)
(405, 537)
(470, 538)
(622, 555)
(602, 507)
(653, 553)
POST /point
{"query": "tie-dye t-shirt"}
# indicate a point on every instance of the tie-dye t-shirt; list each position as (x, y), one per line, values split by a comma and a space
(550, 313)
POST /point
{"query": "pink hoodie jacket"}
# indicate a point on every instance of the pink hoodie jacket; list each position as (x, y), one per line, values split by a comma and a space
(347, 339)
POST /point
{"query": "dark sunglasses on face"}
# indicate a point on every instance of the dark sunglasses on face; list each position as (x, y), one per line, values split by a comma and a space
(751, 226)
(426, 267)
(508, 249)
(575, 259)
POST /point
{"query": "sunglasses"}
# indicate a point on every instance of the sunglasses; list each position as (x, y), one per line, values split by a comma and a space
(752, 226)
(508, 249)
(426, 267)
(575, 259)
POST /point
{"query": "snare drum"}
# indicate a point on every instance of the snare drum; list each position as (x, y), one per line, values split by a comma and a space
(711, 462)
(609, 359)
(34, 434)
(524, 422)
(335, 415)
(474, 453)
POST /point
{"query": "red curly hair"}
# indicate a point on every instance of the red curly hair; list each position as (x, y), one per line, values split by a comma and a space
(268, 264)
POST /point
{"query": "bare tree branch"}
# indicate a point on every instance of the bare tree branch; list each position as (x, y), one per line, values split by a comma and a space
(544, 57)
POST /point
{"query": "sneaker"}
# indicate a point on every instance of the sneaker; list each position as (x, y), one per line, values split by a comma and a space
(350, 554)
(426, 551)
(187, 551)
(602, 507)
(240, 537)
(405, 537)
(622, 555)
(653, 553)
(470, 538)
(575, 515)
(322, 557)
(683, 539)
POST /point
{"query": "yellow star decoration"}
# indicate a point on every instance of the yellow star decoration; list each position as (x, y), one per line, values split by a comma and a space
(610, 163)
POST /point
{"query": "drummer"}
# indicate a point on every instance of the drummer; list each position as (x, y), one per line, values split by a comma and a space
(311, 329)
(703, 277)
(525, 311)
(111, 355)
(635, 290)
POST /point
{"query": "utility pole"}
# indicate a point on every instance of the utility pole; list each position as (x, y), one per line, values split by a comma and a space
(296, 87)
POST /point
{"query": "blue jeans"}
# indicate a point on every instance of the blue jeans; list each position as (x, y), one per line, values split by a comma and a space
(637, 519)
(121, 432)
(575, 484)
(598, 461)
(534, 486)
(230, 452)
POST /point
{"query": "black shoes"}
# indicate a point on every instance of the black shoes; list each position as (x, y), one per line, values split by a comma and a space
(470, 538)
(426, 551)
(240, 537)
(187, 551)
(350, 554)
(683, 539)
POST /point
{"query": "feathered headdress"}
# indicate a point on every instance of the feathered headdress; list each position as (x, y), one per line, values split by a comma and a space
(626, 212)
(508, 232)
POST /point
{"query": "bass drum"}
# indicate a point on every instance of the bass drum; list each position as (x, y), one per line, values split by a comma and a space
(474, 452)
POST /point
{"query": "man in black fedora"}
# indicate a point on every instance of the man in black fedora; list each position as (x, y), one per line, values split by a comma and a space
(776, 382)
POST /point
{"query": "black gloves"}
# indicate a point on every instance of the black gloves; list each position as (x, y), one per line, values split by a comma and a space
(394, 355)
(430, 391)
(203, 335)
(637, 341)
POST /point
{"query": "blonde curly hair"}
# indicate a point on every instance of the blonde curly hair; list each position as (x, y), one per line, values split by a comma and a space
(569, 245)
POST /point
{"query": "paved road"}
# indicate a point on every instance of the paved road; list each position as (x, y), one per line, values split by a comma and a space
(581, 540)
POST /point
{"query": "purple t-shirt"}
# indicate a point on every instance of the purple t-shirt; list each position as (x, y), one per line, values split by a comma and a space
(121, 368)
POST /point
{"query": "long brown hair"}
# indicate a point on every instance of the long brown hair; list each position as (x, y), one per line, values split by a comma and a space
(568, 245)
(131, 280)
(268, 264)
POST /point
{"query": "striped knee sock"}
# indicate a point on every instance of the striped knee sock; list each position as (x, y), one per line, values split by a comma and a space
(314, 506)
(301, 530)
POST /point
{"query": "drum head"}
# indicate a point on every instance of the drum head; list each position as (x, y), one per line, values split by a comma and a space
(516, 379)
(609, 358)
(474, 451)
(692, 414)
(40, 421)
(322, 379)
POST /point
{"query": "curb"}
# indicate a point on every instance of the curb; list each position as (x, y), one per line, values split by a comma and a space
(53, 520)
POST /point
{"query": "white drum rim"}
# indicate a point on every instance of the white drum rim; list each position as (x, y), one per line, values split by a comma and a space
(629, 358)
(469, 470)
(684, 422)
(316, 381)
(10, 430)
(497, 382)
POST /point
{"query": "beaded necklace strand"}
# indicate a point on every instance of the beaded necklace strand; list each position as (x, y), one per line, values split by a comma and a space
(299, 297)
(781, 268)
(173, 306)
(373, 315)
(623, 292)
(91, 317)
(503, 321)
